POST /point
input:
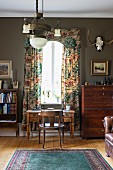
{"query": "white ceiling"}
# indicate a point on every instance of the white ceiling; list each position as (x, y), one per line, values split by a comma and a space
(58, 8)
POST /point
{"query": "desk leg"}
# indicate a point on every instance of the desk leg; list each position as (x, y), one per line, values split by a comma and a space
(28, 130)
(72, 126)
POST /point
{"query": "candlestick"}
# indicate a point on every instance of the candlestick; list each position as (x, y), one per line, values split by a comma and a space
(12, 75)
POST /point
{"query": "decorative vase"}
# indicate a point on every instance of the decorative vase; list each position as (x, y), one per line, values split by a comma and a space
(67, 107)
(5, 85)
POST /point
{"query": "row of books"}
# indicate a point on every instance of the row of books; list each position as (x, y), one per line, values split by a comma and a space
(8, 97)
(8, 121)
(8, 109)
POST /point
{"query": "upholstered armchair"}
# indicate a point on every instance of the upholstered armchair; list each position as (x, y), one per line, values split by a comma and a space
(108, 123)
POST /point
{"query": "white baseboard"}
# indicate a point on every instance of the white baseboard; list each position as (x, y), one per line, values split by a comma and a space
(7, 132)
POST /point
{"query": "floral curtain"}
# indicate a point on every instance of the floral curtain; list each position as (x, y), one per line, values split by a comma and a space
(70, 73)
(70, 69)
(32, 79)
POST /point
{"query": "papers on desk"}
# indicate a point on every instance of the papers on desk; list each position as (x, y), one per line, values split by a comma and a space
(50, 108)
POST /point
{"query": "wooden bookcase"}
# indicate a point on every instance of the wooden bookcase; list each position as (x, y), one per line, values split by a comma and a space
(8, 109)
(97, 102)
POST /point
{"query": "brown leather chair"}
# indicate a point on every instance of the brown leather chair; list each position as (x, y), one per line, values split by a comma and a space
(55, 122)
(108, 123)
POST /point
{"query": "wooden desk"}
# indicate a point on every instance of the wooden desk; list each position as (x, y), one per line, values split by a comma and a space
(33, 116)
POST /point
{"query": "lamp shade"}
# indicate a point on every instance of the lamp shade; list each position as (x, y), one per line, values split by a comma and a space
(57, 33)
(38, 42)
(26, 28)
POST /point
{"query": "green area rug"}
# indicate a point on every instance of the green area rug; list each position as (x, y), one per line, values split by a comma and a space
(76, 159)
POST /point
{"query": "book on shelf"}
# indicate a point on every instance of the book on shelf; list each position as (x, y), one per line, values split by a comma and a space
(0, 109)
(5, 109)
(5, 98)
(8, 108)
(1, 97)
(14, 97)
(12, 109)
(9, 97)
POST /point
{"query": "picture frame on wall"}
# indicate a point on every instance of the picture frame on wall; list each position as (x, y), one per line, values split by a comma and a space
(5, 69)
(0, 84)
(99, 67)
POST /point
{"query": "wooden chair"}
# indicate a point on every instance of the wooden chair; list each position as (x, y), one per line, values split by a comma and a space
(52, 120)
(108, 124)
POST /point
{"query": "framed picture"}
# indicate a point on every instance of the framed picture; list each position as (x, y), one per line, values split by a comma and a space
(99, 68)
(0, 84)
(5, 68)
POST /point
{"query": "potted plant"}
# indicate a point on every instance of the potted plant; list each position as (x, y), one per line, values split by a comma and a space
(67, 106)
(67, 99)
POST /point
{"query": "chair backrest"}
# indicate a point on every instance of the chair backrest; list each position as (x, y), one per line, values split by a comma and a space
(51, 116)
(54, 106)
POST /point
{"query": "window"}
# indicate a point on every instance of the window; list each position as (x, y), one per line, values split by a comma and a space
(51, 72)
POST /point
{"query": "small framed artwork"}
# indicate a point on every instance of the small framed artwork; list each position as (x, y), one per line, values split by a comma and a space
(99, 67)
(5, 68)
(0, 84)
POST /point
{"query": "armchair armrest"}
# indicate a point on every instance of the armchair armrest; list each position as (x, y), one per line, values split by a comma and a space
(108, 124)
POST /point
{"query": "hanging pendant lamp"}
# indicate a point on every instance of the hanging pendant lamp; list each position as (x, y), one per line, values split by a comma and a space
(37, 29)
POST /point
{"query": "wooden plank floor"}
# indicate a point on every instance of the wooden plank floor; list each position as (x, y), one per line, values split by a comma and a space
(9, 144)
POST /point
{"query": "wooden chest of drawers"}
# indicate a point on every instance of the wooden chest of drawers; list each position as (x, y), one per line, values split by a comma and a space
(97, 102)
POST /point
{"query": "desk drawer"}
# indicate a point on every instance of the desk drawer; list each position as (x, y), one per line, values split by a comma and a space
(34, 119)
(67, 119)
(33, 115)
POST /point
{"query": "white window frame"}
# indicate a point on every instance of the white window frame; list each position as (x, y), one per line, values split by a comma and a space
(53, 98)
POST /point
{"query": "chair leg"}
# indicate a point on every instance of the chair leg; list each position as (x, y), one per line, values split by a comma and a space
(70, 129)
(107, 155)
(63, 135)
(59, 131)
(43, 138)
(39, 135)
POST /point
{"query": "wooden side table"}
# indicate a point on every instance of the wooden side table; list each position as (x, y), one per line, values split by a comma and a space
(69, 117)
(32, 116)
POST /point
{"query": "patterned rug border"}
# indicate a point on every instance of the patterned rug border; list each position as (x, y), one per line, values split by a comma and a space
(95, 151)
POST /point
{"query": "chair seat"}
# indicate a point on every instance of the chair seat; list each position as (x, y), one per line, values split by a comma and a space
(47, 125)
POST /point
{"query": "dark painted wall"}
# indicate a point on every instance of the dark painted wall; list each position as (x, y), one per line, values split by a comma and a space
(12, 46)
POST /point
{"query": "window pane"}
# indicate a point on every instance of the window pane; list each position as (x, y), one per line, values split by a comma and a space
(51, 73)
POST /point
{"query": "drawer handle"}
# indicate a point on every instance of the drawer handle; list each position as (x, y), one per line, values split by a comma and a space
(103, 94)
(102, 87)
(102, 130)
